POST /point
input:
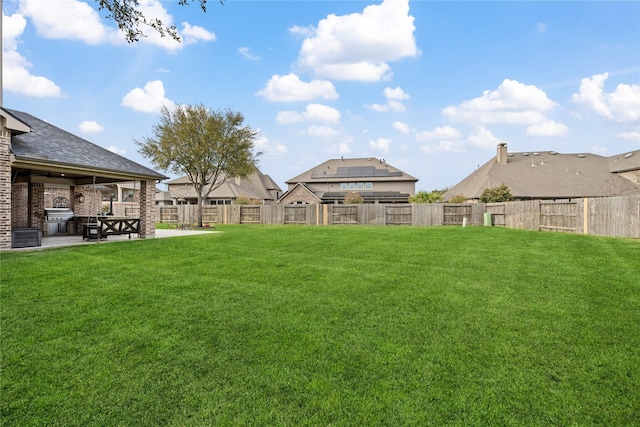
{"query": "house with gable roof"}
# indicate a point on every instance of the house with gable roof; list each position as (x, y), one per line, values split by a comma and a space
(549, 175)
(256, 187)
(42, 165)
(329, 182)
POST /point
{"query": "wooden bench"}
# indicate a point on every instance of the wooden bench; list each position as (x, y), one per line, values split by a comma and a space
(118, 226)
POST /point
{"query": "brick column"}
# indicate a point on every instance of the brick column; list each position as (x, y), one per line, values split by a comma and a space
(36, 204)
(5, 190)
(147, 209)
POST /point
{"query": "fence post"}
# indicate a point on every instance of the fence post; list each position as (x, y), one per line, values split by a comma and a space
(585, 214)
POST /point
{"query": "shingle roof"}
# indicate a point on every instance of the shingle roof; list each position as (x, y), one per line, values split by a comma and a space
(50, 144)
(255, 186)
(339, 170)
(547, 175)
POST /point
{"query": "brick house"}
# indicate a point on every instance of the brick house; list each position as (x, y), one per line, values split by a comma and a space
(42, 165)
(549, 175)
(257, 187)
(329, 182)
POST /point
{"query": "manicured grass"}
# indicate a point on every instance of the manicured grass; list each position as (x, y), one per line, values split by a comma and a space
(344, 326)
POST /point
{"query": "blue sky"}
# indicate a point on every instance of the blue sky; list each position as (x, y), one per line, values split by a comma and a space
(430, 86)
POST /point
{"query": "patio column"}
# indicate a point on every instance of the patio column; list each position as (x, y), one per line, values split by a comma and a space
(147, 209)
(36, 204)
(5, 189)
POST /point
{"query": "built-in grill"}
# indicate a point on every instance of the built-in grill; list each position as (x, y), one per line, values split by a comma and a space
(58, 218)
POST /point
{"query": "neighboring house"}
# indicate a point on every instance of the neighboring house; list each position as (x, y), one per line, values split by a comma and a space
(43, 166)
(552, 175)
(257, 187)
(329, 182)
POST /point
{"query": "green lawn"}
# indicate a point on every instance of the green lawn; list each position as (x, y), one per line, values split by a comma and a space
(340, 326)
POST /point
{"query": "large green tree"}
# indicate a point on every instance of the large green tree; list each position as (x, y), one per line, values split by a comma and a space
(209, 147)
(130, 19)
(501, 193)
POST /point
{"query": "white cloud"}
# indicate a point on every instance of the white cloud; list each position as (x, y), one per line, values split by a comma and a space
(513, 102)
(359, 46)
(439, 133)
(629, 136)
(381, 144)
(312, 113)
(440, 139)
(401, 127)
(90, 126)
(541, 27)
(290, 88)
(194, 33)
(17, 77)
(343, 148)
(395, 94)
(442, 146)
(116, 150)
(78, 20)
(622, 106)
(262, 144)
(393, 100)
(321, 131)
(246, 52)
(482, 138)
(548, 128)
(148, 100)
(67, 19)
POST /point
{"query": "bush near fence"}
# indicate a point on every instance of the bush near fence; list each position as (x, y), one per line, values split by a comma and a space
(607, 216)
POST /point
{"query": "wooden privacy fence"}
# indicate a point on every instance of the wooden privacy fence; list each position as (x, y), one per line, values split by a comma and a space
(612, 216)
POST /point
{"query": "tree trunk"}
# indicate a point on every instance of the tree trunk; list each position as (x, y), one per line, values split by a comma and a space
(199, 210)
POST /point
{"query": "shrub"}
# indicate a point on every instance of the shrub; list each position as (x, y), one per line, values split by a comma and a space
(353, 198)
(500, 193)
(422, 196)
(458, 198)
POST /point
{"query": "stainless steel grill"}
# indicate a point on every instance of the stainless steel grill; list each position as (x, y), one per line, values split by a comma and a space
(58, 220)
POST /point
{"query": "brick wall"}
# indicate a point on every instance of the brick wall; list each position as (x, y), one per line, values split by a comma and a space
(5, 189)
(147, 209)
(300, 194)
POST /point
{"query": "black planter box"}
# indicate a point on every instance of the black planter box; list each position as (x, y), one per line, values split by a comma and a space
(26, 237)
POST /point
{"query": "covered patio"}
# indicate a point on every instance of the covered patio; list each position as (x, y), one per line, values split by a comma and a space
(48, 170)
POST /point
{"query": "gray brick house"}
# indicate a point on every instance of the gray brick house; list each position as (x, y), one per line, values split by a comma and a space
(42, 165)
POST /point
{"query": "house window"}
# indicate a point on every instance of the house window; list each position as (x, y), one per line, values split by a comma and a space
(127, 195)
(352, 186)
(344, 186)
(360, 186)
(368, 186)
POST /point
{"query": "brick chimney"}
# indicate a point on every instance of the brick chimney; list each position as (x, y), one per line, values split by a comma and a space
(502, 153)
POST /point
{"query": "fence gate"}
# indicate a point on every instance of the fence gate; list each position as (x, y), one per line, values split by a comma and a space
(454, 214)
(249, 214)
(559, 216)
(344, 214)
(295, 214)
(398, 215)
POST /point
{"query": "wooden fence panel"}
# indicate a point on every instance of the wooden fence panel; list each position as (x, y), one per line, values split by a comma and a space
(398, 215)
(455, 213)
(250, 214)
(427, 214)
(559, 216)
(344, 214)
(295, 214)
(614, 216)
(523, 215)
(498, 213)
